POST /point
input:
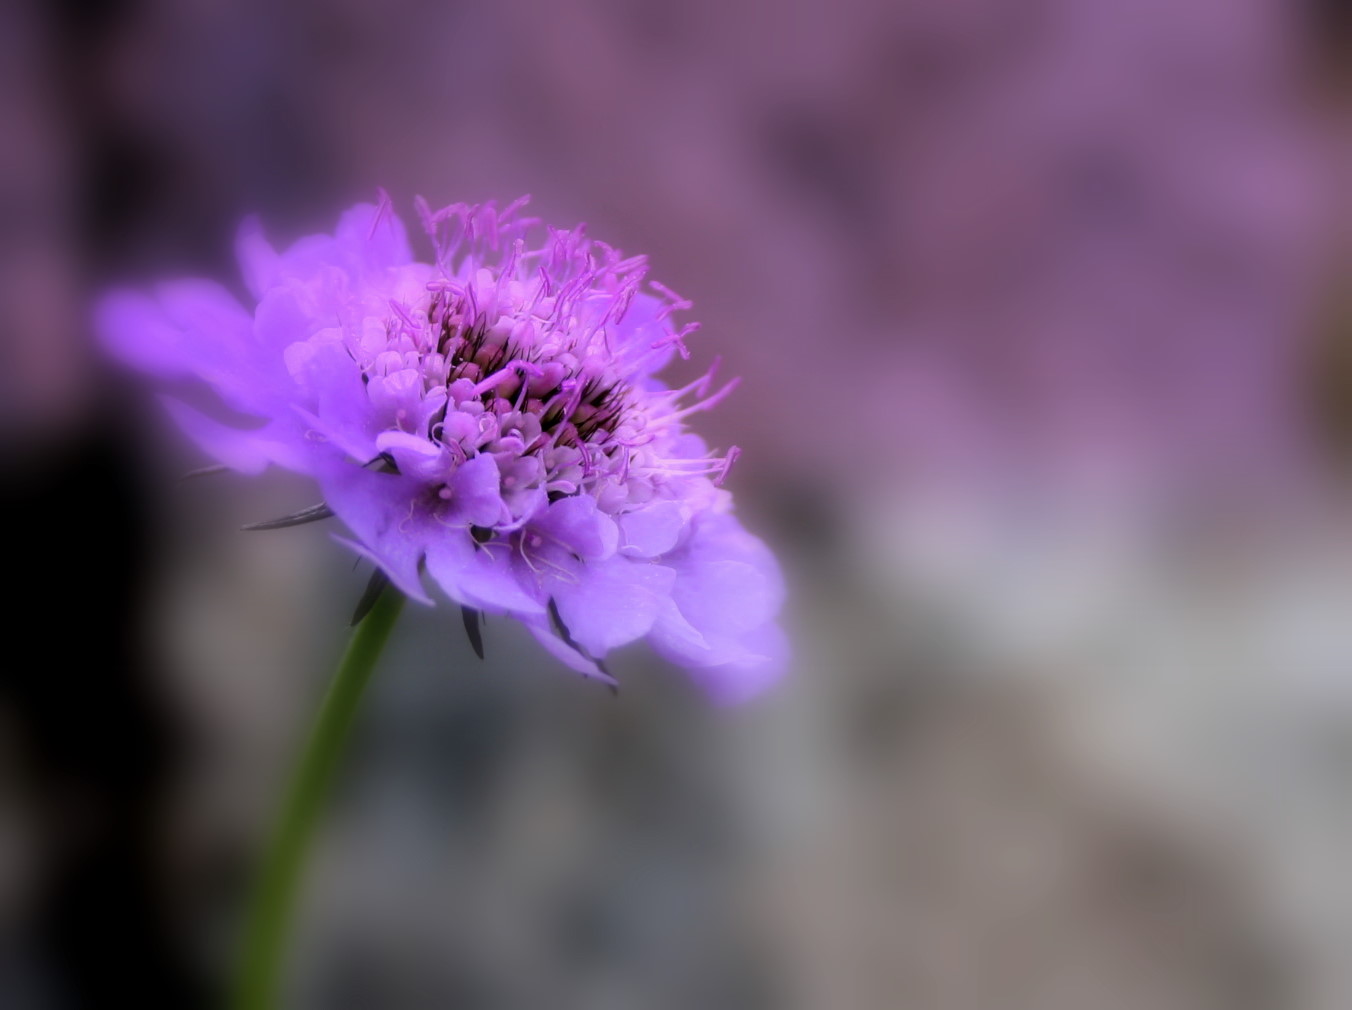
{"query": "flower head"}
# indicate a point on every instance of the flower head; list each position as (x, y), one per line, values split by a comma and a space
(491, 419)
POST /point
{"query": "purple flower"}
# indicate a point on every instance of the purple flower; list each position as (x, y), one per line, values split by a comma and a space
(491, 419)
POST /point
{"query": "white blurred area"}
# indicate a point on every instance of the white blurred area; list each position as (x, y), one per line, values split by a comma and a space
(1201, 681)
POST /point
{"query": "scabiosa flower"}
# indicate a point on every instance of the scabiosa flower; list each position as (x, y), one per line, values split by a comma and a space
(491, 419)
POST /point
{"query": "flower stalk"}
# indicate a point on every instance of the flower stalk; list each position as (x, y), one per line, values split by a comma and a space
(279, 879)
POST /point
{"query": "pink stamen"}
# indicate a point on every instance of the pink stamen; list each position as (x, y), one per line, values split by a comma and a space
(508, 372)
(706, 403)
(733, 453)
(383, 207)
(678, 338)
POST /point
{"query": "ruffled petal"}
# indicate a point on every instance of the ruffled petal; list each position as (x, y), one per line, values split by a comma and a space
(373, 236)
(192, 328)
(615, 602)
(334, 404)
(726, 594)
(248, 451)
(654, 530)
(727, 578)
(381, 511)
(761, 661)
(480, 576)
(413, 455)
(567, 655)
(291, 311)
(259, 263)
(579, 527)
(723, 598)
(134, 327)
(476, 492)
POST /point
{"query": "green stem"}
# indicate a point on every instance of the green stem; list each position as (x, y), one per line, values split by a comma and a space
(279, 878)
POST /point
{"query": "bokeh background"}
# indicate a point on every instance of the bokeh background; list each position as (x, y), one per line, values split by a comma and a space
(1043, 312)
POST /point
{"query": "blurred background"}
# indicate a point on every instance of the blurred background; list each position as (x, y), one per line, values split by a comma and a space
(1044, 317)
